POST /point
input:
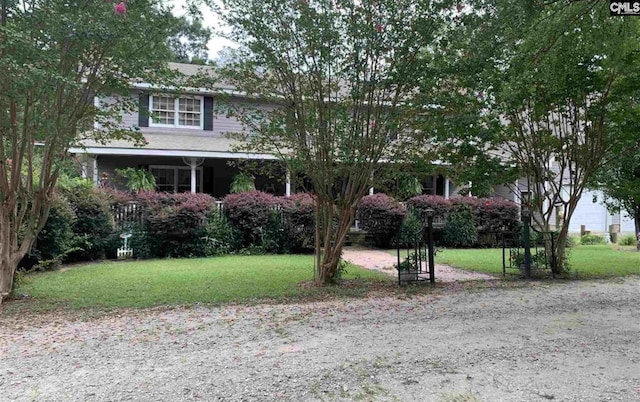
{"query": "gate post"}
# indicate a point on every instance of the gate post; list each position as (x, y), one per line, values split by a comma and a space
(526, 219)
(432, 274)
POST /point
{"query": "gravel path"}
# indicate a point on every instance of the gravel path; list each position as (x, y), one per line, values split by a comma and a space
(382, 261)
(537, 341)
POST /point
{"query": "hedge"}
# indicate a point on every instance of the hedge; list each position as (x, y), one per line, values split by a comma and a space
(381, 216)
(249, 212)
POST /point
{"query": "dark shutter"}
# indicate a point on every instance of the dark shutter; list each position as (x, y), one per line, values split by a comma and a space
(208, 113)
(143, 112)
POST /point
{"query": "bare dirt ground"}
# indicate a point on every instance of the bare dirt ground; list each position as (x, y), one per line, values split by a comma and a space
(530, 341)
(382, 261)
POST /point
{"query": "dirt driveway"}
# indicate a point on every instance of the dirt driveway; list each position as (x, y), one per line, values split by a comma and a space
(573, 341)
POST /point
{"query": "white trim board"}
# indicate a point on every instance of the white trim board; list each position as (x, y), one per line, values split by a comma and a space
(164, 152)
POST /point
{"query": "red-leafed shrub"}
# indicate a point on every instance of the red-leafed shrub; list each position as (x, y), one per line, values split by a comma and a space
(249, 212)
(491, 216)
(298, 222)
(381, 216)
(174, 224)
(419, 205)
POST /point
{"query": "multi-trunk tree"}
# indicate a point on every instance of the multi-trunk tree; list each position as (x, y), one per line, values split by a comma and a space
(341, 79)
(55, 59)
(542, 89)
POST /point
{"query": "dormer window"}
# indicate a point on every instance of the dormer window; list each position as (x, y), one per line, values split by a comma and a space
(182, 112)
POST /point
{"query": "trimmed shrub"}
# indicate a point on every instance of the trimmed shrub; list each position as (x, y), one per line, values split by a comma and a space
(589, 239)
(460, 230)
(249, 212)
(491, 215)
(93, 226)
(421, 203)
(174, 225)
(55, 240)
(381, 216)
(298, 221)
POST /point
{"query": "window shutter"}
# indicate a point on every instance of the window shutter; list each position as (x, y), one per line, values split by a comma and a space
(208, 113)
(143, 110)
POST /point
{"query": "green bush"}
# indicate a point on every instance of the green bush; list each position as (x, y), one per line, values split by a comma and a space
(221, 237)
(589, 239)
(411, 229)
(628, 240)
(55, 240)
(460, 230)
(93, 226)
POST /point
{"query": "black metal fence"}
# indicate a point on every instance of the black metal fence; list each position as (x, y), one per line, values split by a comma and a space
(541, 252)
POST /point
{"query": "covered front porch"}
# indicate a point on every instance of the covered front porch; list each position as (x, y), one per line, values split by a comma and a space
(195, 172)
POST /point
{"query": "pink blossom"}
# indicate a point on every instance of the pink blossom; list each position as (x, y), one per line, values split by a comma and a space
(120, 8)
(379, 28)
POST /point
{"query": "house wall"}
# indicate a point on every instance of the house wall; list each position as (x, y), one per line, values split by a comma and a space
(595, 216)
(221, 122)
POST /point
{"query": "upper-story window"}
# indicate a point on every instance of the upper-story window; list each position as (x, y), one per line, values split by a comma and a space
(186, 111)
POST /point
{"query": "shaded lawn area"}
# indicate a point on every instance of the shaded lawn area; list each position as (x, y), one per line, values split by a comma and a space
(597, 261)
(140, 284)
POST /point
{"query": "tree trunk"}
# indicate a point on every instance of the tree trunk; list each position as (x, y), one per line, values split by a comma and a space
(637, 225)
(332, 241)
(560, 251)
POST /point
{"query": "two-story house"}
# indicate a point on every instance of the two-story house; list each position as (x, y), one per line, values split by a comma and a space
(186, 146)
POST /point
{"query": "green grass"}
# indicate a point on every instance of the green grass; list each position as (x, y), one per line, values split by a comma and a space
(139, 284)
(597, 261)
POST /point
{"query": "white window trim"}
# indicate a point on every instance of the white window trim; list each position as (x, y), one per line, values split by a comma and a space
(175, 175)
(176, 112)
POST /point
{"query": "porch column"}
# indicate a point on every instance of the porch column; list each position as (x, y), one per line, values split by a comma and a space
(434, 189)
(96, 181)
(446, 188)
(287, 188)
(470, 184)
(194, 165)
(371, 188)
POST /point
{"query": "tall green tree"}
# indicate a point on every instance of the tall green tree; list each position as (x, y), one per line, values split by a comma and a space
(543, 88)
(619, 181)
(55, 59)
(332, 85)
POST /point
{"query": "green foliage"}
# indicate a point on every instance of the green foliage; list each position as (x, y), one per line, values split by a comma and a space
(221, 236)
(55, 240)
(137, 179)
(590, 239)
(242, 182)
(459, 231)
(93, 227)
(628, 240)
(55, 59)
(344, 78)
(411, 230)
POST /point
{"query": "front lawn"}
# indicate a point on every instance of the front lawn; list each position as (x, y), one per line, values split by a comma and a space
(139, 284)
(597, 261)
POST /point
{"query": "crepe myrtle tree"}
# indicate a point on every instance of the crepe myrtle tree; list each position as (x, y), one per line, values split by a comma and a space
(331, 83)
(545, 91)
(56, 57)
